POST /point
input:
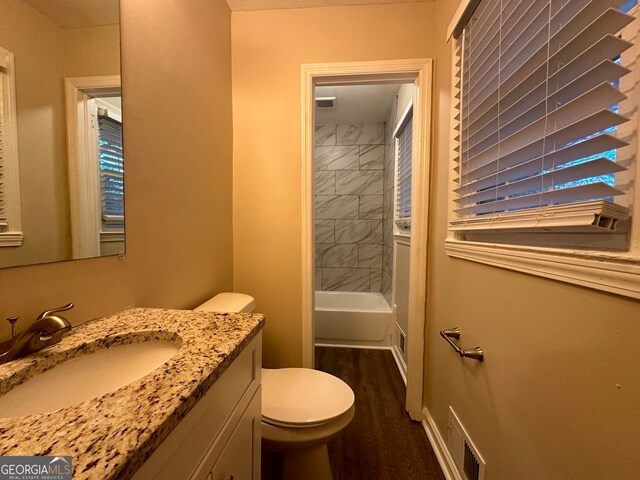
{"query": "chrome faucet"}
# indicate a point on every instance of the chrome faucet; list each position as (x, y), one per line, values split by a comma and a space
(48, 329)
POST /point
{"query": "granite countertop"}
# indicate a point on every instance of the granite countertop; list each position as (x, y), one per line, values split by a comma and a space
(111, 436)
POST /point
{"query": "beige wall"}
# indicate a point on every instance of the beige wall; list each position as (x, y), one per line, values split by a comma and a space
(558, 394)
(92, 51)
(178, 152)
(268, 49)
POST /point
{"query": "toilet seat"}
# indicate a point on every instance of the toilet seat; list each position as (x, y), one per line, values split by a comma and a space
(301, 397)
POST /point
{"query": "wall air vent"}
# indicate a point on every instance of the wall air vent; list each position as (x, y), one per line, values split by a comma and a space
(326, 102)
(470, 464)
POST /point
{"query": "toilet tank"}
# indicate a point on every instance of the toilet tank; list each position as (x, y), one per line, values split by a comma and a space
(229, 302)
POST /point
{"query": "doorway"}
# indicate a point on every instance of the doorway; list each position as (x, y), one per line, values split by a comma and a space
(419, 73)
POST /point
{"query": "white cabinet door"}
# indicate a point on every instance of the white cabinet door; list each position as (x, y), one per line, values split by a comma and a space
(237, 458)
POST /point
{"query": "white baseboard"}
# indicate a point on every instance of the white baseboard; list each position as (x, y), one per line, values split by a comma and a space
(402, 366)
(440, 448)
(342, 345)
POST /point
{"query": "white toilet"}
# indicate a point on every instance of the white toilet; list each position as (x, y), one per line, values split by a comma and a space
(302, 409)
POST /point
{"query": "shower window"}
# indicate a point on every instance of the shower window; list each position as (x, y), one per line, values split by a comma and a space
(404, 148)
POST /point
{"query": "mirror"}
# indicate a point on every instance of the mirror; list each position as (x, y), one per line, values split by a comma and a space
(61, 161)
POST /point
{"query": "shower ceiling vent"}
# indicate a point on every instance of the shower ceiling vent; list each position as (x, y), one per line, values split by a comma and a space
(326, 102)
(465, 454)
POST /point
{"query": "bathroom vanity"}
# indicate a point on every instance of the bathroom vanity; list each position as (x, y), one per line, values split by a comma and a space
(196, 416)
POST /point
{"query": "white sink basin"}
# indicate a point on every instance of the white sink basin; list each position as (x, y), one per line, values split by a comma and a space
(85, 377)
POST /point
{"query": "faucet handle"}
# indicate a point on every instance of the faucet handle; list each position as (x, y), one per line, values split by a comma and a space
(46, 313)
(12, 321)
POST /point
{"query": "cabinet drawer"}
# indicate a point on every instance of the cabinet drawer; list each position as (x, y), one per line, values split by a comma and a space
(182, 451)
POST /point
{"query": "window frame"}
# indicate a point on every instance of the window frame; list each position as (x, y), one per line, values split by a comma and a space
(615, 272)
(107, 233)
(11, 235)
(406, 116)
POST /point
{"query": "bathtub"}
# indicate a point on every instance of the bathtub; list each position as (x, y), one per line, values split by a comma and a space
(352, 318)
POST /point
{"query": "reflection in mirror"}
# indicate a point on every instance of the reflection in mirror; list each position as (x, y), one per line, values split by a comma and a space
(61, 161)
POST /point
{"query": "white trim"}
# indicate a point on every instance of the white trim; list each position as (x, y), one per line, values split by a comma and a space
(598, 271)
(440, 448)
(13, 236)
(11, 239)
(83, 175)
(464, 10)
(404, 118)
(107, 236)
(419, 71)
(400, 363)
(402, 239)
(361, 347)
(113, 112)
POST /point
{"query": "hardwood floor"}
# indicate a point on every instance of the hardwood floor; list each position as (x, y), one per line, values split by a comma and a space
(381, 442)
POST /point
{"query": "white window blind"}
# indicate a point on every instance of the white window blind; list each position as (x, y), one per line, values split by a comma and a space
(537, 121)
(111, 172)
(404, 143)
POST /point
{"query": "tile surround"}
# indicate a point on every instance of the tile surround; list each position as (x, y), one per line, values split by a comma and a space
(370, 256)
(346, 279)
(358, 231)
(349, 206)
(336, 207)
(325, 135)
(336, 158)
(361, 134)
(372, 157)
(325, 231)
(363, 182)
(325, 182)
(371, 207)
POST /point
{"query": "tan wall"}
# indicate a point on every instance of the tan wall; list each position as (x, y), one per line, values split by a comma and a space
(92, 51)
(178, 150)
(268, 49)
(558, 394)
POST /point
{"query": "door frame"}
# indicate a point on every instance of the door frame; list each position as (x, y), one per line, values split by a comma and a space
(420, 72)
(82, 161)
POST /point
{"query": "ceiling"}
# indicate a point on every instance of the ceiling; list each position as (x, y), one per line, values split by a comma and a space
(79, 13)
(236, 5)
(356, 103)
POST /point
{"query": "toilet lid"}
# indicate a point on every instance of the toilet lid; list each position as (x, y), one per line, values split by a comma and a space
(301, 397)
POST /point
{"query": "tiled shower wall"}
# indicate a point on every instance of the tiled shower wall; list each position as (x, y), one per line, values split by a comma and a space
(388, 197)
(348, 192)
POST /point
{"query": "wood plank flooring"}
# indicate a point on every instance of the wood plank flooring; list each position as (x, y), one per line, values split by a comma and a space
(381, 442)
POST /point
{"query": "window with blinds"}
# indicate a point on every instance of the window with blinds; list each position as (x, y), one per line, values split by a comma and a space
(10, 214)
(111, 172)
(543, 102)
(404, 143)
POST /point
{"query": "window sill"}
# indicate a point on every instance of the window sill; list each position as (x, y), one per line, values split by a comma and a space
(107, 236)
(403, 238)
(11, 239)
(597, 270)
